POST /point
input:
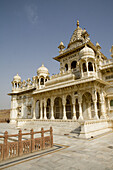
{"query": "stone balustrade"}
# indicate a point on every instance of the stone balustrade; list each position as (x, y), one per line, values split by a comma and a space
(22, 146)
(106, 62)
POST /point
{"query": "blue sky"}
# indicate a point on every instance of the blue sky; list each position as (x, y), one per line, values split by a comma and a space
(31, 30)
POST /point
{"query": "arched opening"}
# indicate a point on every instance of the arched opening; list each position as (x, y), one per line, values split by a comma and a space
(87, 106)
(37, 109)
(48, 108)
(111, 103)
(69, 107)
(66, 67)
(84, 67)
(77, 109)
(90, 66)
(58, 109)
(98, 105)
(73, 65)
(15, 85)
(42, 81)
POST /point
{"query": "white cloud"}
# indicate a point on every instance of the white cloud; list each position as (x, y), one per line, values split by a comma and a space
(32, 13)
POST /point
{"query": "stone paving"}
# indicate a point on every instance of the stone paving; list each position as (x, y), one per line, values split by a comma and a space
(82, 154)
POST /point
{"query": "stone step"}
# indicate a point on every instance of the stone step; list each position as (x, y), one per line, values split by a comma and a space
(60, 128)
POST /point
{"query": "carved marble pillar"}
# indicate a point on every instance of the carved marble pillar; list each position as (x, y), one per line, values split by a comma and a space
(81, 70)
(93, 67)
(69, 66)
(74, 112)
(45, 103)
(94, 97)
(102, 105)
(95, 109)
(87, 68)
(41, 113)
(74, 109)
(52, 112)
(13, 112)
(108, 105)
(64, 108)
(80, 106)
(22, 110)
(34, 106)
(80, 111)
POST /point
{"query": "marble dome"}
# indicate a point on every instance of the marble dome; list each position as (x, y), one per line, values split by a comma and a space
(42, 70)
(86, 51)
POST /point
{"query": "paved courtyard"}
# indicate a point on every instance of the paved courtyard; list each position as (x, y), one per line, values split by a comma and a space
(76, 154)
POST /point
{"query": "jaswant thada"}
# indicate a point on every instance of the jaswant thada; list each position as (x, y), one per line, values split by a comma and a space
(78, 99)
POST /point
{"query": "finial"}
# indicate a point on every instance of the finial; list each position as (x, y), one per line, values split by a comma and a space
(42, 65)
(77, 23)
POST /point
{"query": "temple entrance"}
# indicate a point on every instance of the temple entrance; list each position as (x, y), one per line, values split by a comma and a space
(37, 109)
(48, 108)
(86, 105)
(69, 107)
(58, 113)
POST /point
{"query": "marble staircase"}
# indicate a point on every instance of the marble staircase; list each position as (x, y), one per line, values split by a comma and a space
(59, 127)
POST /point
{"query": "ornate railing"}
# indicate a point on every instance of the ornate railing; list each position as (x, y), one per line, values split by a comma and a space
(23, 145)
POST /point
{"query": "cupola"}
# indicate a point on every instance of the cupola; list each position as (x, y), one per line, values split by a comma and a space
(16, 83)
(17, 78)
(86, 52)
(42, 70)
(61, 46)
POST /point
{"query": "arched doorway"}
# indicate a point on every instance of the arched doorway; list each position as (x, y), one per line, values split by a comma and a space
(37, 109)
(98, 105)
(69, 107)
(58, 109)
(86, 105)
(48, 108)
